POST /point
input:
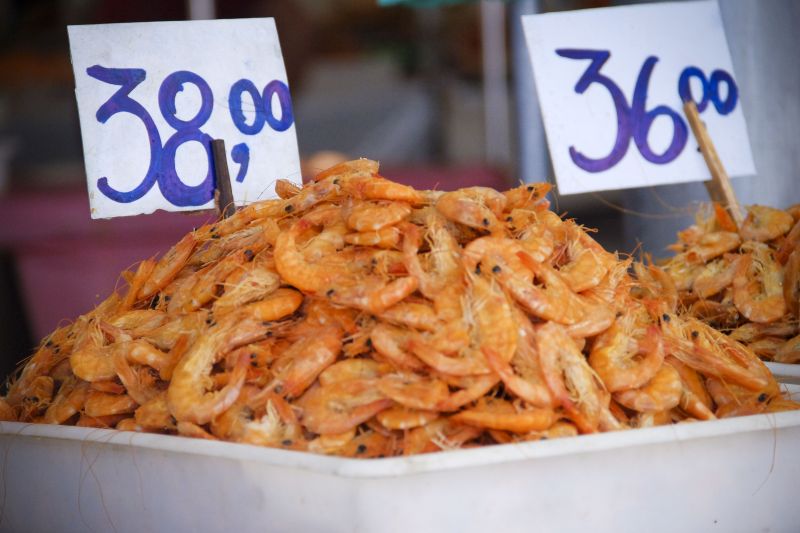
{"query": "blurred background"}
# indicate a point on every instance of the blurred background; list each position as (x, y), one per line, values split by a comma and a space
(427, 89)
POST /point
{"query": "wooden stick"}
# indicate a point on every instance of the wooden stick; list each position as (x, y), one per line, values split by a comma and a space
(223, 194)
(719, 188)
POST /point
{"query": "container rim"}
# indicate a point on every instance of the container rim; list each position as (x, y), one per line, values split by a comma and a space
(402, 466)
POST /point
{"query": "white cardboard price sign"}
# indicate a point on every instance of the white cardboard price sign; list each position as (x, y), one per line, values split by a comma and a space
(152, 96)
(611, 83)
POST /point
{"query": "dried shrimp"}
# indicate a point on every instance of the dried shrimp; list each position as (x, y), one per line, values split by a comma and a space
(359, 317)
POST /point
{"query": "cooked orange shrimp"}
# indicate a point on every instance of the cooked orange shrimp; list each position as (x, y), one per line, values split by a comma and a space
(139, 322)
(285, 189)
(391, 343)
(166, 336)
(657, 284)
(712, 245)
(716, 276)
(342, 405)
(491, 315)
(186, 394)
(415, 315)
(758, 285)
(695, 399)
(135, 283)
(713, 353)
(53, 349)
(469, 363)
(566, 370)
(362, 168)
(251, 284)
(306, 358)
(154, 414)
(280, 304)
(791, 283)
(683, 272)
(89, 359)
(441, 434)
(789, 244)
(103, 404)
(471, 388)
(372, 216)
(528, 196)
(629, 353)
(68, 402)
(402, 418)
(587, 262)
(378, 188)
(353, 369)
(661, 393)
(555, 301)
(292, 265)
(765, 223)
(412, 391)
(373, 295)
(140, 390)
(476, 207)
(444, 253)
(789, 352)
(495, 413)
(277, 427)
(168, 266)
(751, 331)
(387, 237)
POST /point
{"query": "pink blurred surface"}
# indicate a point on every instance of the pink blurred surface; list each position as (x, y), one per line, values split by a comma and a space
(68, 263)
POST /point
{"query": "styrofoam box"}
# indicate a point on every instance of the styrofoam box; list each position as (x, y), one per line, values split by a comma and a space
(739, 474)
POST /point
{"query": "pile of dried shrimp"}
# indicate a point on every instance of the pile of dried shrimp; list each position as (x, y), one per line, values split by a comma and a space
(745, 283)
(359, 317)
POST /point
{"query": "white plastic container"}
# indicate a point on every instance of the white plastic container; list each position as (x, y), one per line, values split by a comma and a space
(785, 373)
(739, 474)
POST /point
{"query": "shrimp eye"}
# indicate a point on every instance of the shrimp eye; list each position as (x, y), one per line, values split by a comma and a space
(287, 442)
(329, 293)
(478, 269)
(369, 343)
(289, 208)
(530, 188)
(361, 448)
(509, 218)
(665, 317)
(496, 269)
(336, 181)
(485, 221)
(695, 334)
(762, 397)
(249, 254)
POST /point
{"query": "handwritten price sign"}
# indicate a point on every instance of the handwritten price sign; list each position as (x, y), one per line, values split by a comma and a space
(152, 96)
(611, 83)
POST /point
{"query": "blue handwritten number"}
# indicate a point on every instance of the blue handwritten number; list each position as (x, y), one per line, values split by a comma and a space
(235, 105)
(120, 102)
(174, 190)
(277, 87)
(643, 119)
(592, 75)
(710, 88)
(262, 104)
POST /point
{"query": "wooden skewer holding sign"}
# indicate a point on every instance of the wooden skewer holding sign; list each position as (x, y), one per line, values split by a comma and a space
(223, 194)
(719, 187)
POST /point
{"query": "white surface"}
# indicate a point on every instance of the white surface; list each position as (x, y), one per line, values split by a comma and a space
(221, 52)
(785, 373)
(680, 35)
(730, 475)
